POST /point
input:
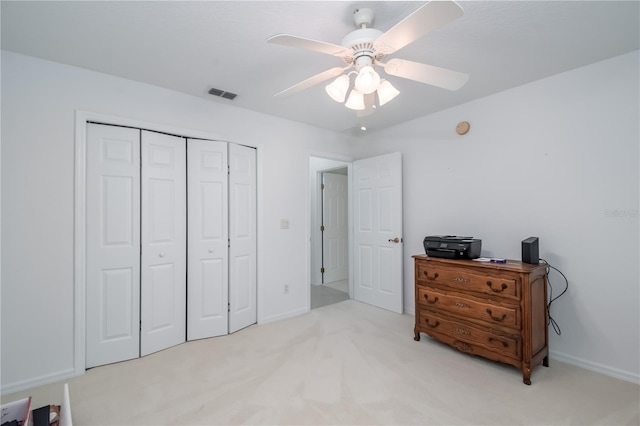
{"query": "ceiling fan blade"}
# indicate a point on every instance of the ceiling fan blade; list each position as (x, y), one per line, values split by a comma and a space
(427, 74)
(427, 18)
(308, 44)
(311, 81)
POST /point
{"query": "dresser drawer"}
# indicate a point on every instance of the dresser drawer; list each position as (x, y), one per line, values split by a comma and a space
(475, 349)
(432, 323)
(467, 307)
(467, 280)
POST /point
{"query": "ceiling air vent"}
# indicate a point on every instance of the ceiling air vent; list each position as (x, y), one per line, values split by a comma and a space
(222, 93)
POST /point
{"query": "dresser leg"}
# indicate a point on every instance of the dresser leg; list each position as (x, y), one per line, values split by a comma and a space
(526, 375)
(416, 335)
(545, 361)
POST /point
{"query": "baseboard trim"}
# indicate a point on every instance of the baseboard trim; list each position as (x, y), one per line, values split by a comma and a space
(283, 316)
(37, 381)
(596, 367)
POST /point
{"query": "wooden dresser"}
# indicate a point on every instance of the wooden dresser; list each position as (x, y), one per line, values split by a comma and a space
(497, 311)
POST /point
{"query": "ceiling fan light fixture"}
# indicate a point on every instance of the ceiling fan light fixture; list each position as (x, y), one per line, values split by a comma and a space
(386, 92)
(355, 100)
(367, 80)
(337, 90)
(364, 49)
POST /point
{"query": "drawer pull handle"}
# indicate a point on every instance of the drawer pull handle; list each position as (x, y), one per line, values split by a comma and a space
(428, 321)
(460, 280)
(496, 318)
(465, 347)
(435, 300)
(503, 287)
(504, 344)
(461, 305)
(426, 274)
(461, 330)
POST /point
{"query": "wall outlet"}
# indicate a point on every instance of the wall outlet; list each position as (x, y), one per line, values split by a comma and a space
(285, 289)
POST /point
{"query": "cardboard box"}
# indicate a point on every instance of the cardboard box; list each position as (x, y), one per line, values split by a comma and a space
(17, 411)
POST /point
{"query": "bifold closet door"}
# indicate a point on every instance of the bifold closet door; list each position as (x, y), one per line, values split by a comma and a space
(136, 243)
(137, 256)
(242, 237)
(112, 244)
(207, 278)
(163, 257)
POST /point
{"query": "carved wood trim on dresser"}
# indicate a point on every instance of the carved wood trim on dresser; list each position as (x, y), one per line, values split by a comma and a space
(497, 311)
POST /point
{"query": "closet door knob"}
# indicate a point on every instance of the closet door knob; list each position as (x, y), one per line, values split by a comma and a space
(211, 250)
(161, 254)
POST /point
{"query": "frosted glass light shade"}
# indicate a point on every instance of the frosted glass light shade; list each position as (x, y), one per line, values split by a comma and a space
(337, 90)
(386, 92)
(355, 101)
(367, 80)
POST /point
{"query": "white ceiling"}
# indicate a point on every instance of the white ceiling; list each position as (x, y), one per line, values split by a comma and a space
(193, 46)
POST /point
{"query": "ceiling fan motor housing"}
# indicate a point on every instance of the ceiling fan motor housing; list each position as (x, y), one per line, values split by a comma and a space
(361, 43)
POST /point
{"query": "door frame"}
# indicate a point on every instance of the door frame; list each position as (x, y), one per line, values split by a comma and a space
(80, 187)
(314, 231)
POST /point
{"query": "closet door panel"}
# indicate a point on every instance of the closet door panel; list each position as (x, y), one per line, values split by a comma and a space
(112, 245)
(207, 302)
(163, 242)
(242, 236)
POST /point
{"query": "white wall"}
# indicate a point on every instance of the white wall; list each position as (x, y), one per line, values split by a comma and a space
(551, 159)
(39, 99)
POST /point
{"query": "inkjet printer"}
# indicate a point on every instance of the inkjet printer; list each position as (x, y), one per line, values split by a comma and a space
(452, 247)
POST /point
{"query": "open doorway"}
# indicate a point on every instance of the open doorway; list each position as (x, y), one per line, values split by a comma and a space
(329, 231)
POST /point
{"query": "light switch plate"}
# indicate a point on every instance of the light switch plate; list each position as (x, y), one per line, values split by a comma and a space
(284, 223)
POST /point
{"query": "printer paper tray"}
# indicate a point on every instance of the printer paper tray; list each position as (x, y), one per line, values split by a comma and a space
(443, 253)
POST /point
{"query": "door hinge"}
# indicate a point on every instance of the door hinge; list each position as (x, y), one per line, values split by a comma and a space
(228, 169)
(322, 186)
(322, 270)
(322, 228)
(229, 243)
(228, 307)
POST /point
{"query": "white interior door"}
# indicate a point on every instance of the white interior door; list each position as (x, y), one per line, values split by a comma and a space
(378, 231)
(112, 245)
(335, 234)
(207, 278)
(242, 237)
(163, 242)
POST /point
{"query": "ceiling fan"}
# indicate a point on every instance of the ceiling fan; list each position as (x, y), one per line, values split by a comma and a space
(364, 49)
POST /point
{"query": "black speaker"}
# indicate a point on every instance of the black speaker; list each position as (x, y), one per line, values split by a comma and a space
(530, 250)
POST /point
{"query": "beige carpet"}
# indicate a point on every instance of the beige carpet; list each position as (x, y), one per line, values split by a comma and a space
(347, 363)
